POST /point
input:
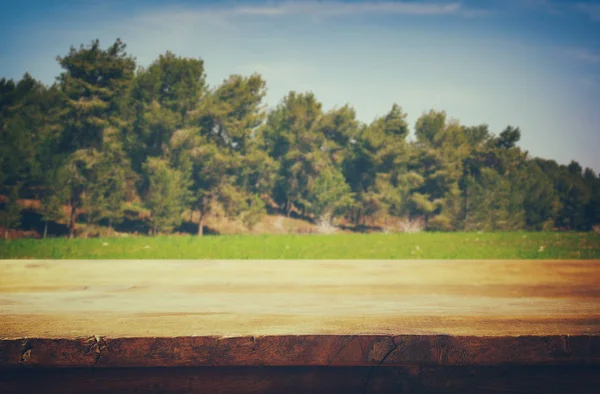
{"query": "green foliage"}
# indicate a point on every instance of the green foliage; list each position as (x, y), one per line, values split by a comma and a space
(93, 83)
(330, 195)
(540, 199)
(509, 137)
(430, 126)
(338, 126)
(592, 210)
(52, 205)
(233, 200)
(94, 87)
(376, 167)
(10, 215)
(291, 136)
(27, 128)
(164, 199)
(55, 195)
(488, 203)
(225, 164)
(440, 223)
(166, 97)
(475, 136)
(254, 212)
(106, 136)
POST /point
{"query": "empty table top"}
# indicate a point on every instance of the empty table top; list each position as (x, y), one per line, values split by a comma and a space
(296, 305)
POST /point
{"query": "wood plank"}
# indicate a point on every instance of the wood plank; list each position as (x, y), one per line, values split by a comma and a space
(301, 350)
(298, 313)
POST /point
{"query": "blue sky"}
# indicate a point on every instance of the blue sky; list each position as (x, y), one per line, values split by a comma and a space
(528, 63)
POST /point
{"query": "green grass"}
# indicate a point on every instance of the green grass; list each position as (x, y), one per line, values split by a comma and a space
(518, 245)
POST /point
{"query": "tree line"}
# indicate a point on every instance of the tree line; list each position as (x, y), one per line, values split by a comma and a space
(109, 135)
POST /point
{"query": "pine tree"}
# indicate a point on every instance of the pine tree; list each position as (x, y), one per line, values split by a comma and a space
(227, 121)
(376, 167)
(94, 85)
(291, 137)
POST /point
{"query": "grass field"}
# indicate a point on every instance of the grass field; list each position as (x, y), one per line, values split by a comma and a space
(518, 245)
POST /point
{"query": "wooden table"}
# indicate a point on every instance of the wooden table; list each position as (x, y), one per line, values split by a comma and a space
(299, 326)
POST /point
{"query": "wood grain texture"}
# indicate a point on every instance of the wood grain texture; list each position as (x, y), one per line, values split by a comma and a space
(298, 313)
(303, 350)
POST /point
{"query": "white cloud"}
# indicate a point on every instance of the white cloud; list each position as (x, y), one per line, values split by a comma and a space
(327, 8)
(338, 8)
(264, 11)
(592, 10)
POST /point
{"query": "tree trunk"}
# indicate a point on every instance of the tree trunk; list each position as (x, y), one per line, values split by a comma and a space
(204, 207)
(45, 228)
(357, 218)
(466, 206)
(201, 224)
(191, 215)
(87, 230)
(288, 208)
(72, 220)
(109, 226)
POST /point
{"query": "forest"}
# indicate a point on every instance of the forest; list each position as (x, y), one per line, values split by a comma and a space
(110, 142)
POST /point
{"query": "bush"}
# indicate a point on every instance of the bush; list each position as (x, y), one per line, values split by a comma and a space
(440, 223)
